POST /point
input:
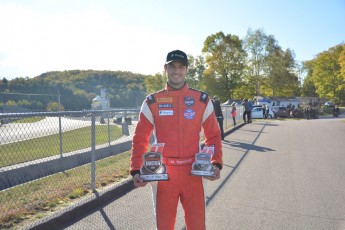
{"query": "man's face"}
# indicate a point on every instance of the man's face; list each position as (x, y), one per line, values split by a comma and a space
(176, 72)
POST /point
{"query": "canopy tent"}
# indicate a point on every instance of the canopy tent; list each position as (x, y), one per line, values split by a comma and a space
(264, 100)
(229, 102)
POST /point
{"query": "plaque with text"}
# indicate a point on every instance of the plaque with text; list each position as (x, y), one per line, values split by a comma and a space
(153, 168)
(202, 165)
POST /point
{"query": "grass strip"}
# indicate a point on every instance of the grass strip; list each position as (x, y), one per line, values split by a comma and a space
(34, 200)
(47, 146)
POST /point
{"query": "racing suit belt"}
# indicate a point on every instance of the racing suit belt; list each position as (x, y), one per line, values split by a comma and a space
(178, 160)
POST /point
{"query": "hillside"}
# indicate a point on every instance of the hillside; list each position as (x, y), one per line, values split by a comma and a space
(77, 88)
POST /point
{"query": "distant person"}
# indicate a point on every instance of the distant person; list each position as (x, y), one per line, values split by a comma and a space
(255, 101)
(336, 111)
(219, 114)
(233, 113)
(267, 111)
(251, 106)
(263, 107)
(246, 113)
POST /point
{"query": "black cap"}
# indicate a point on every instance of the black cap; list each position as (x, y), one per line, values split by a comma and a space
(177, 55)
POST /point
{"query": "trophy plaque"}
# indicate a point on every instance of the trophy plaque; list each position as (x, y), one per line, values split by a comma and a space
(153, 168)
(202, 165)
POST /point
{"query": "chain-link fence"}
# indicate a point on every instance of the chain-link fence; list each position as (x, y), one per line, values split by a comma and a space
(51, 160)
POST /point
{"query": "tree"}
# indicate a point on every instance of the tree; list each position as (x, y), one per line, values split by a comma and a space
(196, 70)
(342, 73)
(308, 88)
(255, 45)
(3, 84)
(280, 79)
(326, 73)
(155, 82)
(54, 107)
(225, 58)
(271, 69)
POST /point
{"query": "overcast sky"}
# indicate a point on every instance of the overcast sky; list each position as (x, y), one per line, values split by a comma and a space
(39, 36)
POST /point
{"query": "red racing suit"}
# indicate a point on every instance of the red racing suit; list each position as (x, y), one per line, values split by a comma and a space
(176, 118)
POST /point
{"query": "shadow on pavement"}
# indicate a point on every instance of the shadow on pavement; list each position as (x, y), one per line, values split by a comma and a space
(247, 148)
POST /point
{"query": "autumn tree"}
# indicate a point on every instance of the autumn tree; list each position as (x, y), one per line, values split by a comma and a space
(326, 73)
(225, 59)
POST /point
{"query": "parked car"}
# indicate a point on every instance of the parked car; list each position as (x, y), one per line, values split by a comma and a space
(121, 118)
(329, 104)
(257, 113)
(296, 113)
(280, 111)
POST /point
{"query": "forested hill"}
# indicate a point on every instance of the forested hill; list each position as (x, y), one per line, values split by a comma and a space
(76, 87)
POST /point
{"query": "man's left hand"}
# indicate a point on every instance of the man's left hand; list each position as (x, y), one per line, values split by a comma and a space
(216, 175)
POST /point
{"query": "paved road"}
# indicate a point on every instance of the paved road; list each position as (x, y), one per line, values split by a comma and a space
(278, 174)
(14, 132)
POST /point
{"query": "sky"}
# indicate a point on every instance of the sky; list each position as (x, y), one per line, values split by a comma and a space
(39, 36)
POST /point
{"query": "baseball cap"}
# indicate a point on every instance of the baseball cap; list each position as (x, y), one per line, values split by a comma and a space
(177, 55)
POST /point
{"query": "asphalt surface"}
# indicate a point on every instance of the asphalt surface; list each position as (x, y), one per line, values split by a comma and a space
(278, 174)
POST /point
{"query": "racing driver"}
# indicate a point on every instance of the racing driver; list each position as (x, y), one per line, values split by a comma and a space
(176, 116)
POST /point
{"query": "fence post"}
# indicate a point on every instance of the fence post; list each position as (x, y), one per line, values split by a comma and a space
(108, 129)
(60, 129)
(60, 135)
(226, 117)
(93, 152)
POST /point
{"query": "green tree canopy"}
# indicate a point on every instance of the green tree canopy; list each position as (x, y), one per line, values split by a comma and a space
(326, 73)
(225, 60)
(155, 82)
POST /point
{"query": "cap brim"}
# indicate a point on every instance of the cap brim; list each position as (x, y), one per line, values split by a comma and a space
(178, 60)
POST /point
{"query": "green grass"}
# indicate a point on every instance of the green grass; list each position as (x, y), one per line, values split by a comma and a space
(34, 200)
(46, 146)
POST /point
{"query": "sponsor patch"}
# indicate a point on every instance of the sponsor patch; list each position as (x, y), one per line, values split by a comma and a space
(189, 114)
(188, 101)
(150, 99)
(164, 99)
(165, 105)
(203, 97)
(166, 112)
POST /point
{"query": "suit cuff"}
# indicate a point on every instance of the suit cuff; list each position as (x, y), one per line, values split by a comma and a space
(135, 172)
(218, 166)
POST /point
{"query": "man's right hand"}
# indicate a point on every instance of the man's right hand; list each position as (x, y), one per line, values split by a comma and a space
(138, 182)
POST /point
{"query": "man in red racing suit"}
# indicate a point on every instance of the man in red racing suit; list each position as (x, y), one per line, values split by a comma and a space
(176, 116)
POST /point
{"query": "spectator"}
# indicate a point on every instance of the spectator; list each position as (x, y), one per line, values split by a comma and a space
(267, 111)
(233, 113)
(251, 106)
(247, 111)
(263, 107)
(336, 111)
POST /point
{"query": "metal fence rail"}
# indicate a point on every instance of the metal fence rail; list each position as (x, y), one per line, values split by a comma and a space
(49, 160)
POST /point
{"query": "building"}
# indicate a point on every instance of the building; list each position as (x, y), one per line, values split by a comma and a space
(101, 102)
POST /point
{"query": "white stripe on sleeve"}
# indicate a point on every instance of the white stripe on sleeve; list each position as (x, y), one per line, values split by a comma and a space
(147, 112)
(209, 109)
